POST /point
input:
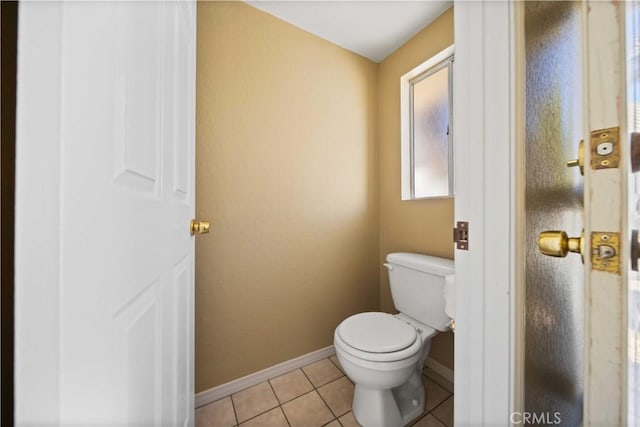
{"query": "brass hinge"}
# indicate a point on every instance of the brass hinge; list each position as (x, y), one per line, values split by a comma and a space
(461, 235)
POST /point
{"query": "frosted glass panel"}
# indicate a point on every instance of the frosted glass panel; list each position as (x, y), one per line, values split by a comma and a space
(554, 331)
(430, 135)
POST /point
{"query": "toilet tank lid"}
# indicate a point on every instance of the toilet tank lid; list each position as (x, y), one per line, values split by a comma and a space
(420, 262)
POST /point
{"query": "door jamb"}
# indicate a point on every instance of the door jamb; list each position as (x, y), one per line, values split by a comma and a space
(486, 379)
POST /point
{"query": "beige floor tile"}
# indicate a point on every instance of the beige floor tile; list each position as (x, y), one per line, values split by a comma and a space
(435, 394)
(322, 372)
(307, 411)
(428, 421)
(333, 423)
(348, 420)
(291, 385)
(254, 401)
(216, 414)
(335, 361)
(444, 412)
(273, 418)
(338, 395)
(445, 383)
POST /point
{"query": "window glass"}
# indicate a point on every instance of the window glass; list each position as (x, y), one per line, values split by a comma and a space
(426, 140)
(430, 134)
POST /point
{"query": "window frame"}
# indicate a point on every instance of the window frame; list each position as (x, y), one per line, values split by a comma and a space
(438, 62)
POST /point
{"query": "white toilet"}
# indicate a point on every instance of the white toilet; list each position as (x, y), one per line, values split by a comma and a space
(383, 354)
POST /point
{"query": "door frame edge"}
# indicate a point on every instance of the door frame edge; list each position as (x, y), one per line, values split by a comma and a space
(487, 378)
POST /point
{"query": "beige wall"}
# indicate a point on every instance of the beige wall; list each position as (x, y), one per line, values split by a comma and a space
(287, 172)
(423, 226)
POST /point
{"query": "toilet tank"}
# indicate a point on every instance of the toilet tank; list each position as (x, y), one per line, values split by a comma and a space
(417, 287)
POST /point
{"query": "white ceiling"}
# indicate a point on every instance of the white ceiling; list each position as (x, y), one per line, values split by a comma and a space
(372, 29)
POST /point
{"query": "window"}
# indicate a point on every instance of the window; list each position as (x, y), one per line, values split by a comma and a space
(426, 134)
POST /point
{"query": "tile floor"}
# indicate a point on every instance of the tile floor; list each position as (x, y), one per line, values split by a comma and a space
(316, 395)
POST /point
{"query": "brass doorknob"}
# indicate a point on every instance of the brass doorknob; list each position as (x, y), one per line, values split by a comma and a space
(558, 244)
(200, 227)
(580, 160)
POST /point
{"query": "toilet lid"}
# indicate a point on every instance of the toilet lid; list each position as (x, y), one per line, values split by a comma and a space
(376, 333)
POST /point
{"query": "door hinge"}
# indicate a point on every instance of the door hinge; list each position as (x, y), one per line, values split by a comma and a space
(461, 235)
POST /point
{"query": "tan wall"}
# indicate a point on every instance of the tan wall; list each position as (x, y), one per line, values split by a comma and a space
(423, 226)
(287, 173)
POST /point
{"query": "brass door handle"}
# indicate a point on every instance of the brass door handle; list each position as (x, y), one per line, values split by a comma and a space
(199, 227)
(558, 244)
(580, 160)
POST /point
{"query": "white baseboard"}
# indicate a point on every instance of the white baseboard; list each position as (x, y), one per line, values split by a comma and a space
(440, 369)
(223, 390)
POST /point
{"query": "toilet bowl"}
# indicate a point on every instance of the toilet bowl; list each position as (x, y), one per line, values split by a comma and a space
(383, 354)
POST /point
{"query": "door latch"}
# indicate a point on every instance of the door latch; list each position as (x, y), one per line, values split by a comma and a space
(199, 227)
(605, 252)
(461, 235)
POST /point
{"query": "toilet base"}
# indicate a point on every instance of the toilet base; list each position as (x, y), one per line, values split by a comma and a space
(389, 408)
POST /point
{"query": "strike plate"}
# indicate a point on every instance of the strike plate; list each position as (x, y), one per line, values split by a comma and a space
(461, 235)
(605, 151)
(605, 252)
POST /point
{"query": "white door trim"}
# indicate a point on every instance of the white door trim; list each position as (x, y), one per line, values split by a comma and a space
(484, 117)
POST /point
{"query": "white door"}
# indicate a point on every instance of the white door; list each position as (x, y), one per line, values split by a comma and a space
(105, 193)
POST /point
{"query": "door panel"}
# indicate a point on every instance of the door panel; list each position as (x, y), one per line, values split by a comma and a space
(553, 201)
(578, 324)
(137, 79)
(124, 170)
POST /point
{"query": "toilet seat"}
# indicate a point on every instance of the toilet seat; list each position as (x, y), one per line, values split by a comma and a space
(377, 337)
(376, 333)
